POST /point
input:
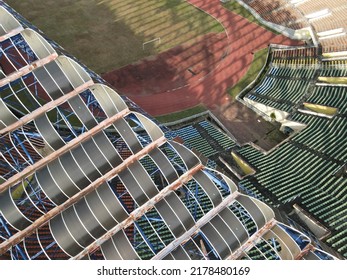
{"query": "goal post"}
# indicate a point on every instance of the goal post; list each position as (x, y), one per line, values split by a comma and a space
(152, 42)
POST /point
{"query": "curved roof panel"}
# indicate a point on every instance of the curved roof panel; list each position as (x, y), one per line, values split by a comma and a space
(8, 24)
(85, 173)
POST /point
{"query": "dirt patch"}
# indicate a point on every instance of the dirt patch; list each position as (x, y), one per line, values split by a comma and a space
(172, 69)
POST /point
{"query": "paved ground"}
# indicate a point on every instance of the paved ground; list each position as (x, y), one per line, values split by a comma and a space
(244, 38)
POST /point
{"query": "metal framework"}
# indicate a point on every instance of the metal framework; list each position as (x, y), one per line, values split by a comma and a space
(85, 176)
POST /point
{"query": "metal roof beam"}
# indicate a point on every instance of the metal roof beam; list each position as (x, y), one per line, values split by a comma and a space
(16, 238)
(73, 143)
(11, 33)
(46, 107)
(139, 212)
(27, 69)
(252, 240)
(204, 220)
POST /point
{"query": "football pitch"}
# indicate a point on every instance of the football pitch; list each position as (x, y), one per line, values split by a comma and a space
(108, 34)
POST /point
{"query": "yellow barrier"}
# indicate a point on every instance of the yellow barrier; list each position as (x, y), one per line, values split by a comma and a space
(321, 109)
(242, 164)
(333, 80)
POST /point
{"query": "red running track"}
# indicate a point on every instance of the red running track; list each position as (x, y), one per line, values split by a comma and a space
(244, 39)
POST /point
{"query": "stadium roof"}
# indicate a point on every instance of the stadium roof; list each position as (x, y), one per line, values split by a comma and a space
(83, 173)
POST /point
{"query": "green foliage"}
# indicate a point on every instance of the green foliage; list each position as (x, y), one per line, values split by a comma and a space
(273, 116)
(181, 115)
(256, 66)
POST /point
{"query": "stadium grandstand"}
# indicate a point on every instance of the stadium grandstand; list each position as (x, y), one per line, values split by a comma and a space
(87, 174)
(312, 166)
(326, 19)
